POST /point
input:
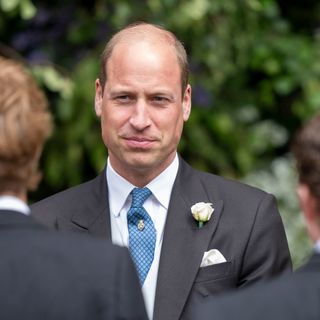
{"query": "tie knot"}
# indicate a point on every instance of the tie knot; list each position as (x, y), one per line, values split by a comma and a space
(139, 196)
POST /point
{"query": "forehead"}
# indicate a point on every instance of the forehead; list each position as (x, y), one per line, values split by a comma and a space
(139, 37)
(144, 59)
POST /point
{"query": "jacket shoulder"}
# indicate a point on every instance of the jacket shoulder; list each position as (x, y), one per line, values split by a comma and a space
(224, 187)
(71, 200)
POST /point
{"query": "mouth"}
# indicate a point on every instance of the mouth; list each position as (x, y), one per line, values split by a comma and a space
(139, 142)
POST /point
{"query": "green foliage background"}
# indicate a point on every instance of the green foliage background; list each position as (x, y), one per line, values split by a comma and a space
(255, 72)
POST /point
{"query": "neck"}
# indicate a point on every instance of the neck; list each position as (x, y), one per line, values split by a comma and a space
(140, 176)
(139, 179)
(20, 195)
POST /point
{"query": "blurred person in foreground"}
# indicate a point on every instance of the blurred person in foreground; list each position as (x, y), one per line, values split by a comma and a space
(291, 297)
(43, 274)
(143, 198)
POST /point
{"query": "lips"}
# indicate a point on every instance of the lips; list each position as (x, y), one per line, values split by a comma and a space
(139, 142)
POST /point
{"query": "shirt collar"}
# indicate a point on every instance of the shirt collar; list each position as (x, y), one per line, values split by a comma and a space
(161, 186)
(118, 188)
(13, 204)
(317, 246)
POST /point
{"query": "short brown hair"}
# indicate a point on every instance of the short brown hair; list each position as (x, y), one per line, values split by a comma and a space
(117, 37)
(306, 150)
(25, 124)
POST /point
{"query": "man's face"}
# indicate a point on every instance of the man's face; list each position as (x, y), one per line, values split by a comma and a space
(142, 108)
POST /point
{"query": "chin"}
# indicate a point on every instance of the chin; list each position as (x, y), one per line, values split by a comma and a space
(142, 162)
(142, 165)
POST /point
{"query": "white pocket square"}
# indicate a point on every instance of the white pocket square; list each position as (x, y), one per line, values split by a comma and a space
(211, 257)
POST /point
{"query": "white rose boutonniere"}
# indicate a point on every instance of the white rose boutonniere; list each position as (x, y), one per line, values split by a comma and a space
(202, 212)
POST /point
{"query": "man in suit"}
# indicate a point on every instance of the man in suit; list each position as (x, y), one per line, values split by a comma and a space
(296, 296)
(43, 274)
(143, 99)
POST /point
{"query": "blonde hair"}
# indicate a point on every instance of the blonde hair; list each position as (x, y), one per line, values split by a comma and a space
(25, 124)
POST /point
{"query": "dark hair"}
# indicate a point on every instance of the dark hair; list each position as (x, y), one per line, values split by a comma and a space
(306, 150)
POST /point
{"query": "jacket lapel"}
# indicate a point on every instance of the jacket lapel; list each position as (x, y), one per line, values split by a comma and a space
(94, 216)
(183, 244)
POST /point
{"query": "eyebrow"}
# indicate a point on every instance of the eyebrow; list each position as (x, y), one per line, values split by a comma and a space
(159, 92)
(120, 92)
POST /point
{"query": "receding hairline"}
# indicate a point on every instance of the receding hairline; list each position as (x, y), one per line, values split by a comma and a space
(146, 32)
(151, 33)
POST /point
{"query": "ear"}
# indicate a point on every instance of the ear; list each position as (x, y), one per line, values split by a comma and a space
(98, 98)
(307, 202)
(186, 103)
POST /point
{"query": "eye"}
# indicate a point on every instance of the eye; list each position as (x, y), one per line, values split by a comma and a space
(160, 100)
(122, 97)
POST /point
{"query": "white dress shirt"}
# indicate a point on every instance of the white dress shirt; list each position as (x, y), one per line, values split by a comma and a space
(156, 205)
(14, 204)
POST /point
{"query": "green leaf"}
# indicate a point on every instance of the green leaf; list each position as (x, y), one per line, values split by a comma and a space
(27, 9)
(9, 5)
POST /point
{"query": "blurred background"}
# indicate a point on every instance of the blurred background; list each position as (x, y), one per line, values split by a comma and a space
(255, 73)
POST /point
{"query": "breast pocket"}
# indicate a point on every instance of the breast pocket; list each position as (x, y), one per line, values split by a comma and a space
(216, 278)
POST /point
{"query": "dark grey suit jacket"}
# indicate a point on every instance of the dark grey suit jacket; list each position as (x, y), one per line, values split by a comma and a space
(245, 227)
(291, 297)
(45, 275)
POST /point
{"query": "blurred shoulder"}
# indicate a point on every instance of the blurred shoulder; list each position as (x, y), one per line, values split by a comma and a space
(71, 200)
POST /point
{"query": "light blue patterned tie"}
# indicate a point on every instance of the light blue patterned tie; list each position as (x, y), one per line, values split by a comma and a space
(142, 233)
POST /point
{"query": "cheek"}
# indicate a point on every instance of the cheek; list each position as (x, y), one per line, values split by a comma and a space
(107, 125)
(108, 119)
(113, 122)
(177, 126)
(172, 130)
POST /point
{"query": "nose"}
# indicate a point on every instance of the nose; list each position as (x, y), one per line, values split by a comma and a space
(140, 118)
